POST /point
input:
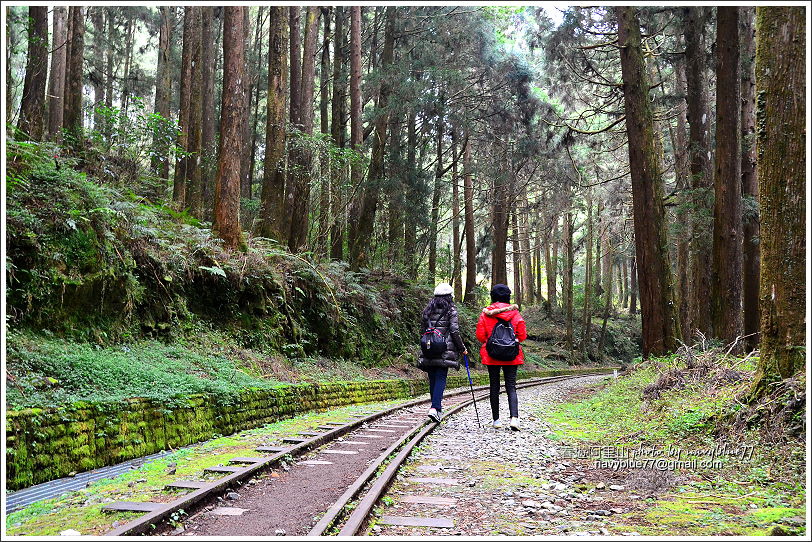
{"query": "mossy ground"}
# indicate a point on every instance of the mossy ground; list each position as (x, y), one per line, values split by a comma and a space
(699, 511)
(81, 510)
(758, 493)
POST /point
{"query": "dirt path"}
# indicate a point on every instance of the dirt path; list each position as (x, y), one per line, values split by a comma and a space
(508, 483)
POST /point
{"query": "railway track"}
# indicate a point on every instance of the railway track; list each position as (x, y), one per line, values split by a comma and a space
(337, 475)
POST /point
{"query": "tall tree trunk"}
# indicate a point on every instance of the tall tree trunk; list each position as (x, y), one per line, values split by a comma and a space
(750, 246)
(32, 109)
(295, 104)
(524, 247)
(682, 215)
(109, 72)
(194, 192)
(435, 199)
(72, 116)
(410, 185)
(596, 269)
(251, 77)
(607, 287)
(252, 154)
(539, 253)
(11, 44)
(586, 320)
(295, 116)
(163, 83)
(179, 188)
(726, 290)
(551, 266)
(456, 274)
(303, 164)
(338, 131)
(128, 58)
(500, 217)
(233, 113)
(324, 107)
(781, 142)
(633, 286)
(395, 188)
(470, 241)
(273, 178)
(56, 83)
(660, 323)
(569, 338)
(356, 129)
(624, 268)
(515, 256)
(608, 263)
(370, 198)
(208, 128)
(701, 169)
(97, 77)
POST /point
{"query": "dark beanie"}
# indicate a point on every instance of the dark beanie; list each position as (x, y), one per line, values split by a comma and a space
(500, 292)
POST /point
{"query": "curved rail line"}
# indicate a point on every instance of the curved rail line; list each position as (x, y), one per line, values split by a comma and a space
(363, 508)
(243, 468)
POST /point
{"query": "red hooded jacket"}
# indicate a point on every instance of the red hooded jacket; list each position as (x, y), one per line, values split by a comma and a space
(487, 320)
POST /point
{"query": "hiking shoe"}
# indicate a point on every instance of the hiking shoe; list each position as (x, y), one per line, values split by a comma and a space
(434, 415)
(497, 424)
(514, 424)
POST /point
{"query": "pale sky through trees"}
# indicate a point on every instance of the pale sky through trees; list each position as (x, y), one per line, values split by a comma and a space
(554, 11)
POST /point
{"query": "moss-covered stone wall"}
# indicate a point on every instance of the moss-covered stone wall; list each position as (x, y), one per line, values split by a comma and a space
(45, 444)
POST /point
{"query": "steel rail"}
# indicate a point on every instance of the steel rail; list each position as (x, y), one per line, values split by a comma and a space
(144, 523)
(405, 445)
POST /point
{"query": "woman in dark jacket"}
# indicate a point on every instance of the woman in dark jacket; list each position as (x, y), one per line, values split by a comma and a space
(441, 314)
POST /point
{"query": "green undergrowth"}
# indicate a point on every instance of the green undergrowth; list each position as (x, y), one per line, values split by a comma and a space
(618, 414)
(81, 510)
(740, 483)
(546, 333)
(53, 372)
(96, 262)
(44, 370)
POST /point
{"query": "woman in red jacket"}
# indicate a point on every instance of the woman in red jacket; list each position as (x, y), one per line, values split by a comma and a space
(500, 311)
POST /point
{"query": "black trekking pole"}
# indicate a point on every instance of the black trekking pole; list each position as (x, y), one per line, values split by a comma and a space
(471, 383)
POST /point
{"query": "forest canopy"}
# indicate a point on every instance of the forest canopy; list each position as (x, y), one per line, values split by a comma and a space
(599, 159)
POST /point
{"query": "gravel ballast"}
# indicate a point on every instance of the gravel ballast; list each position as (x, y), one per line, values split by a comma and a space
(508, 482)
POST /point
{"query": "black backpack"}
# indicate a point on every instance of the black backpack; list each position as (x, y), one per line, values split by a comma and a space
(432, 342)
(502, 345)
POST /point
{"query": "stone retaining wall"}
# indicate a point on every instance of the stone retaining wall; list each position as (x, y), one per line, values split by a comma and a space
(45, 444)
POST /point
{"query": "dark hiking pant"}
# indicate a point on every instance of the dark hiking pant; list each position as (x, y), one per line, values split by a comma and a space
(437, 380)
(510, 387)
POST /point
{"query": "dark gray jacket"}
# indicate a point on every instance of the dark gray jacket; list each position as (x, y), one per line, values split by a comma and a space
(449, 326)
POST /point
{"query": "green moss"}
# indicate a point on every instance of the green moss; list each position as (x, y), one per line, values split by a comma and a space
(82, 510)
(770, 515)
(699, 514)
(618, 414)
(737, 496)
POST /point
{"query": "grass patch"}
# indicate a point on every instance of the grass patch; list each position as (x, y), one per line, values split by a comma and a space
(618, 414)
(697, 513)
(54, 372)
(669, 402)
